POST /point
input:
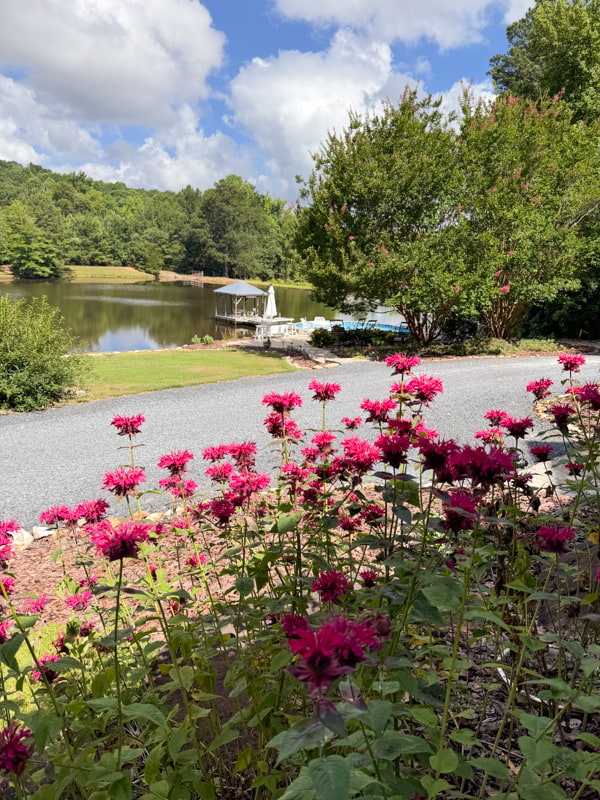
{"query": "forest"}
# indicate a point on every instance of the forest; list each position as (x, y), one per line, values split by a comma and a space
(50, 220)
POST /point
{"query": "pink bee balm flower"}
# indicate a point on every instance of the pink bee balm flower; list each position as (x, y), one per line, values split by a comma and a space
(323, 392)
(517, 427)
(8, 527)
(460, 512)
(540, 389)
(562, 413)
(359, 455)
(92, 510)
(495, 417)
(79, 601)
(57, 515)
(402, 364)
(570, 362)
(574, 468)
(245, 484)
(49, 674)
(5, 628)
(394, 448)
(128, 426)
(7, 584)
(351, 424)
(217, 453)
(196, 561)
(282, 428)
(122, 541)
(491, 435)
(368, 578)
(244, 454)
(541, 452)
(220, 473)
(505, 289)
(331, 585)
(35, 605)
(175, 462)
(378, 410)
(178, 487)
(124, 481)
(282, 403)
(590, 395)
(16, 748)
(424, 388)
(553, 538)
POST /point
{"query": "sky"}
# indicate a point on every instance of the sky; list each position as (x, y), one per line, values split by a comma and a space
(160, 94)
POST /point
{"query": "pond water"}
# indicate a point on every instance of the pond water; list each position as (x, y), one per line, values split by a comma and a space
(143, 316)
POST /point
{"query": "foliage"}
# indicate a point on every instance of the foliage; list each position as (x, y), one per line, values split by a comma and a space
(554, 49)
(321, 337)
(34, 344)
(229, 230)
(451, 225)
(435, 637)
(30, 253)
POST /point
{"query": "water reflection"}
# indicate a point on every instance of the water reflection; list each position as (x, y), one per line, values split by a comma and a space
(114, 317)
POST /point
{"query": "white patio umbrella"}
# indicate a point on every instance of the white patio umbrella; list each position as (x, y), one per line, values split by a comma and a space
(271, 306)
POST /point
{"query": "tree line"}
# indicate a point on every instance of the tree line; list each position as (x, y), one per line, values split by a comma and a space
(50, 220)
(490, 217)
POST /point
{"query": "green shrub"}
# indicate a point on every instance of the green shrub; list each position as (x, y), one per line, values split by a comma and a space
(34, 343)
(208, 339)
(321, 337)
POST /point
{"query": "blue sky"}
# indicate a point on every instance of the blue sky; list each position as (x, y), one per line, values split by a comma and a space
(165, 93)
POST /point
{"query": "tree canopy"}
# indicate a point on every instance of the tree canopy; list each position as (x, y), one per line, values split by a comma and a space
(554, 49)
(473, 218)
(47, 219)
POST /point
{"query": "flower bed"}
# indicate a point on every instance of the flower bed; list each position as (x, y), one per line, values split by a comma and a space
(304, 636)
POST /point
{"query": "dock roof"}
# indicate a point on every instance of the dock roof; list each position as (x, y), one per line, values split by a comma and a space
(240, 289)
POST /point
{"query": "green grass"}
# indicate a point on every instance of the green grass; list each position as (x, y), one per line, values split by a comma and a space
(493, 347)
(118, 374)
(84, 274)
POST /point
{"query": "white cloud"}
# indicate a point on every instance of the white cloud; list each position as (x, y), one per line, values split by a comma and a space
(450, 24)
(288, 103)
(120, 61)
(517, 9)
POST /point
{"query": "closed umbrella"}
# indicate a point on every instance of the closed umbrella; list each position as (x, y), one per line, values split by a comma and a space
(271, 306)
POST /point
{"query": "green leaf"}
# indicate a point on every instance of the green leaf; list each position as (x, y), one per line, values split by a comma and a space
(433, 787)
(464, 736)
(444, 761)
(537, 752)
(44, 724)
(121, 788)
(305, 735)
(379, 713)
(244, 586)
(330, 777)
(66, 663)
(445, 593)
(394, 743)
(491, 766)
(288, 522)
(227, 735)
(328, 714)
(9, 650)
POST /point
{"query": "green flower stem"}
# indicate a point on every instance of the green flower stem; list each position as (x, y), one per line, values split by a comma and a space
(117, 667)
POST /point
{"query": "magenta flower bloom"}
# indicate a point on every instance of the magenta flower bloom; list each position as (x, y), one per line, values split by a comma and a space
(424, 388)
(244, 454)
(590, 395)
(58, 515)
(5, 628)
(437, 456)
(562, 413)
(35, 605)
(491, 435)
(351, 424)
(323, 441)
(571, 362)
(359, 455)
(124, 481)
(292, 624)
(331, 585)
(574, 468)
(223, 509)
(92, 510)
(281, 427)
(553, 538)
(495, 418)
(7, 584)
(282, 403)
(49, 674)
(378, 410)
(128, 426)
(324, 392)
(8, 527)
(245, 484)
(372, 513)
(394, 448)
(517, 427)
(483, 467)
(15, 749)
(460, 512)
(79, 601)
(176, 462)
(178, 487)
(540, 389)
(541, 452)
(402, 364)
(368, 578)
(217, 453)
(122, 541)
(220, 473)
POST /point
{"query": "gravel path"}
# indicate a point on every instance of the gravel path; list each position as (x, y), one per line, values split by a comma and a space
(60, 455)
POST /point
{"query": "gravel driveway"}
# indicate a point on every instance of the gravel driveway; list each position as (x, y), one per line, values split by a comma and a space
(60, 455)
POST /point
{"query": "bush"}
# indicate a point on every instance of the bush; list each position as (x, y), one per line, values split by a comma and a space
(33, 346)
(321, 337)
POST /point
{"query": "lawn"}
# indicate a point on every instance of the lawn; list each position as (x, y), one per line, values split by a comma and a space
(118, 374)
(85, 274)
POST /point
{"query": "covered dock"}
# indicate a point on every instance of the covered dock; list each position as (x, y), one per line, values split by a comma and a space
(240, 302)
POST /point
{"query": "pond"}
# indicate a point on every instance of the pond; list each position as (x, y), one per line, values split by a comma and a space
(143, 316)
